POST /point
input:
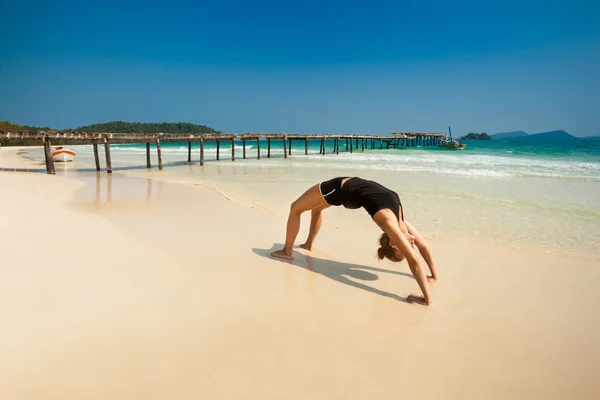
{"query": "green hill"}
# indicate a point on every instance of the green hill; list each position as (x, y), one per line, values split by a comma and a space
(116, 127)
(6, 126)
(521, 135)
(142, 127)
(476, 136)
(552, 135)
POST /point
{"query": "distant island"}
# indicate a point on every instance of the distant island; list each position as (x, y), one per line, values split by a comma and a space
(476, 136)
(521, 135)
(508, 135)
(116, 127)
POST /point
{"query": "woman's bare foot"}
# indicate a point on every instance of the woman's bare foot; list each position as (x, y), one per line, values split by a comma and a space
(281, 254)
(305, 246)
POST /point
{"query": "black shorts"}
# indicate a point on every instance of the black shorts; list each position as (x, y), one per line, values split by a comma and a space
(331, 191)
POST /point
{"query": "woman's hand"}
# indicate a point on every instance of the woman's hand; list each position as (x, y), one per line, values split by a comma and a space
(387, 221)
(409, 237)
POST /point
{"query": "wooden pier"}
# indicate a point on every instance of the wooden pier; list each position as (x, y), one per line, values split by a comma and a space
(351, 142)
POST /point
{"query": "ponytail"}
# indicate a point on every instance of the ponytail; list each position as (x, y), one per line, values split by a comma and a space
(385, 250)
(381, 253)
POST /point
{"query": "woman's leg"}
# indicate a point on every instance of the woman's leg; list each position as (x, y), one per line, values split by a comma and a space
(310, 200)
(316, 219)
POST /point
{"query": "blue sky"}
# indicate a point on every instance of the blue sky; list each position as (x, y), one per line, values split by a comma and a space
(310, 66)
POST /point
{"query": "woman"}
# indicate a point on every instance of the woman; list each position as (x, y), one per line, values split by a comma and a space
(383, 205)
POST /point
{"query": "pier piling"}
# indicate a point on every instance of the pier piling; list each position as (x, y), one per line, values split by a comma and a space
(201, 151)
(107, 154)
(96, 157)
(48, 154)
(148, 162)
(159, 152)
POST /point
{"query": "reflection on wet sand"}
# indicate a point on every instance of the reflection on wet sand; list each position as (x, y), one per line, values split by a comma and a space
(108, 178)
(113, 192)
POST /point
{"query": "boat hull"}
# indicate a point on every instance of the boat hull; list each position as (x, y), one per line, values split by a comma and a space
(63, 155)
(456, 147)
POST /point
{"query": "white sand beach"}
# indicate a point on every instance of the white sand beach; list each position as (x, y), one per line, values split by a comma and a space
(139, 288)
(12, 157)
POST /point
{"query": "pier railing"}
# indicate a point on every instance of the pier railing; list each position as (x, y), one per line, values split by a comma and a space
(394, 140)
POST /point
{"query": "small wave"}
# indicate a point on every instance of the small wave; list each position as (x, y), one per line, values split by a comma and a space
(475, 171)
(459, 164)
(475, 160)
(476, 164)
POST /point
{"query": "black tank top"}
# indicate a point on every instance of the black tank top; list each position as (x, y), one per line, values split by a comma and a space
(358, 192)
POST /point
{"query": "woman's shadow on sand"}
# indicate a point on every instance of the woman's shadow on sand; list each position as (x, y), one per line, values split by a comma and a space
(338, 271)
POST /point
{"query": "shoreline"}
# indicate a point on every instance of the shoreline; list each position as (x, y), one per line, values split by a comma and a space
(434, 237)
(19, 162)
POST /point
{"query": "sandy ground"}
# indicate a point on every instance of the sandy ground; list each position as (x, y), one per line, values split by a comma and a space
(10, 159)
(153, 290)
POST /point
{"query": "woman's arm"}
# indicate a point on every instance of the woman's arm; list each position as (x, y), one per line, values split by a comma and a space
(424, 250)
(387, 221)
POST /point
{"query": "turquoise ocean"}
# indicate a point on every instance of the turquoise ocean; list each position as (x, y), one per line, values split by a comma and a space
(535, 196)
(562, 160)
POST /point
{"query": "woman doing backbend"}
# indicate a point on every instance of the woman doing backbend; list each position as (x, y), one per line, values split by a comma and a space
(383, 205)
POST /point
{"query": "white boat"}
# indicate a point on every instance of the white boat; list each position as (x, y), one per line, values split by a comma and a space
(63, 155)
(452, 144)
(449, 143)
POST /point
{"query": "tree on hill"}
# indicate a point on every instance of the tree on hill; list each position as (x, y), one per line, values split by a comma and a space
(141, 127)
(476, 136)
(117, 127)
(6, 126)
